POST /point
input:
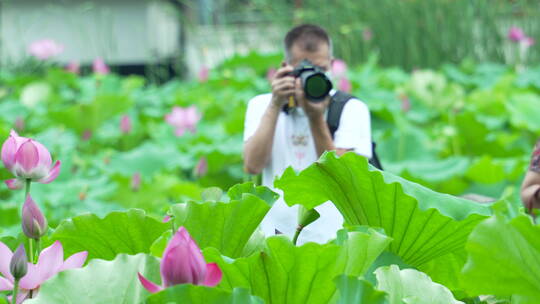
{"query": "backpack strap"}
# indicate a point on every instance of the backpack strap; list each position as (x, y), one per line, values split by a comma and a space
(333, 117)
(335, 108)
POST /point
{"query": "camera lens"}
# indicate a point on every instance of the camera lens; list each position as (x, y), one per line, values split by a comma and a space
(316, 86)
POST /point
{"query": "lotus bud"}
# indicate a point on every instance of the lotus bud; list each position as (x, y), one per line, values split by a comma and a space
(34, 224)
(203, 74)
(125, 124)
(202, 167)
(345, 85)
(19, 263)
(136, 181)
(100, 67)
(19, 124)
(516, 34)
(73, 67)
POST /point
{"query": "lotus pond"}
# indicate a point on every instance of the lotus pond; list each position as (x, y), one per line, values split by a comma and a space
(148, 173)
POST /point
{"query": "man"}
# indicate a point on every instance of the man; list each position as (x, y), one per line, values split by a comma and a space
(530, 189)
(275, 139)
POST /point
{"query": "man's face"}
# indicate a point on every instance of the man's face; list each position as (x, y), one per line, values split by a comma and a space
(320, 58)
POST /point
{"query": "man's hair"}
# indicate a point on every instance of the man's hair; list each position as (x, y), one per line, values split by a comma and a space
(308, 37)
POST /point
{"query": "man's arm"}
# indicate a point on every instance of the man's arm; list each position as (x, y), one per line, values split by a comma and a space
(319, 128)
(258, 148)
(321, 136)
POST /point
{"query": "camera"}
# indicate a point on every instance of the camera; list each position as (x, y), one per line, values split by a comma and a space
(314, 82)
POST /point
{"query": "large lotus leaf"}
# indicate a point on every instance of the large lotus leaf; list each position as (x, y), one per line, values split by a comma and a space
(89, 116)
(148, 159)
(423, 224)
(358, 291)
(191, 294)
(226, 226)
(283, 273)
(111, 282)
(525, 110)
(411, 286)
(128, 232)
(504, 259)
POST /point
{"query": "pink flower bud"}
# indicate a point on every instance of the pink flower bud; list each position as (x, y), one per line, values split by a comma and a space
(34, 224)
(528, 41)
(339, 68)
(183, 263)
(136, 181)
(18, 265)
(203, 74)
(87, 134)
(202, 167)
(19, 124)
(405, 103)
(73, 67)
(270, 74)
(125, 124)
(100, 67)
(45, 49)
(367, 34)
(345, 85)
(28, 159)
(167, 218)
(516, 34)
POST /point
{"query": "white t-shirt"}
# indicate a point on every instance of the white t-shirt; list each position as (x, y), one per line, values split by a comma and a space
(294, 146)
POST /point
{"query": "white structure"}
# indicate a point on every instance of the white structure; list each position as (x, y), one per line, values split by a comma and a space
(120, 31)
(124, 32)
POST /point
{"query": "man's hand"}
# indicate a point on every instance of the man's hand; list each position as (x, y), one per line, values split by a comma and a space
(314, 110)
(283, 86)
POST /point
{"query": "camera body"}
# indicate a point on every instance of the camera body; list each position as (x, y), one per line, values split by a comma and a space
(314, 81)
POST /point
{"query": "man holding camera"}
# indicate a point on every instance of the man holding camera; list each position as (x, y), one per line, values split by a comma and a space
(288, 127)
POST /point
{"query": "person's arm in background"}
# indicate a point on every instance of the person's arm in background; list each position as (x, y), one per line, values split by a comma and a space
(530, 190)
(258, 148)
(531, 184)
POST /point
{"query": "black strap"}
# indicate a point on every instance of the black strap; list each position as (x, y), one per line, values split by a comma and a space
(333, 117)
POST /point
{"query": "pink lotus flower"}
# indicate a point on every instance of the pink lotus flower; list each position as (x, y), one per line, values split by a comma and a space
(100, 67)
(45, 49)
(202, 167)
(183, 263)
(516, 34)
(73, 67)
(203, 74)
(339, 67)
(27, 159)
(345, 85)
(34, 224)
(167, 218)
(50, 262)
(125, 124)
(183, 119)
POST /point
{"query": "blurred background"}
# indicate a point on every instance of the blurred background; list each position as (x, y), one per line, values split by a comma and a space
(181, 36)
(144, 101)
